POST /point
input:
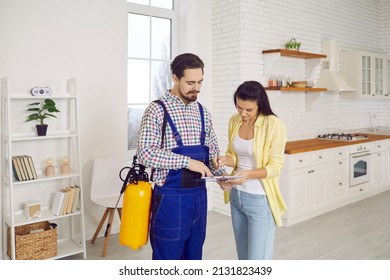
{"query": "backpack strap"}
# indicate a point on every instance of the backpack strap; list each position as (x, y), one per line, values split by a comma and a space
(164, 125)
(167, 117)
(203, 132)
(163, 128)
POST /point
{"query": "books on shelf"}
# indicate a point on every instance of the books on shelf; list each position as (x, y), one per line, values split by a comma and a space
(59, 198)
(76, 202)
(69, 205)
(66, 201)
(31, 163)
(16, 169)
(23, 168)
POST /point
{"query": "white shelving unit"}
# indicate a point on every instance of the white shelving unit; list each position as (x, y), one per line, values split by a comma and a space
(62, 139)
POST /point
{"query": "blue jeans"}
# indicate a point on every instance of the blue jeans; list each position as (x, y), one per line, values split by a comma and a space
(253, 225)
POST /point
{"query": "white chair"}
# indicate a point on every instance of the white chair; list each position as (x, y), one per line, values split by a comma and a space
(105, 191)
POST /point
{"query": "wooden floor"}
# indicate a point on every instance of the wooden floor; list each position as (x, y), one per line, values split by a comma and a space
(360, 231)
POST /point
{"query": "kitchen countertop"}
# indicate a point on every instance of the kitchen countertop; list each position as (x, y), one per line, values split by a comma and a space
(308, 145)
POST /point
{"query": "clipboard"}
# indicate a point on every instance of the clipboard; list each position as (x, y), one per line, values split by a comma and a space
(220, 178)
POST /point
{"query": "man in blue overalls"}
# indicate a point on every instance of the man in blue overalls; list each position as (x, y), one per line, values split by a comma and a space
(180, 150)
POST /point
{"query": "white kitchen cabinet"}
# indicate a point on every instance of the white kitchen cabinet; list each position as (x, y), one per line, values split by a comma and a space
(308, 189)
(319, 184)
(313, 183)
(338, 174)
(386, 168)
(367, 72)
(316, 182)
(62, 139)
(338, 178)
(299, 189)
(387, 76)
(303, 184)
(379, 167)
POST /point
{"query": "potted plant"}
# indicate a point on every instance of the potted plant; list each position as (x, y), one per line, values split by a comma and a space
(292, 45)
(42, 110)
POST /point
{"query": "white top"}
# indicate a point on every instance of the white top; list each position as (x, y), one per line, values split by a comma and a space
(246, 161)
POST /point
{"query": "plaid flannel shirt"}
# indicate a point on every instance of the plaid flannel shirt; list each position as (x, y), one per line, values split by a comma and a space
(188, 123)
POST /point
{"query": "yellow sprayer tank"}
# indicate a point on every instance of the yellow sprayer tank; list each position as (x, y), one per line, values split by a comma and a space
(135, 218)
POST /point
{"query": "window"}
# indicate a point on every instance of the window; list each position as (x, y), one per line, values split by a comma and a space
(150, 25)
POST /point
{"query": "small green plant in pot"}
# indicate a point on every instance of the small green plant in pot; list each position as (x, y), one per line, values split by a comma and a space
(42, 110)
(292, 45)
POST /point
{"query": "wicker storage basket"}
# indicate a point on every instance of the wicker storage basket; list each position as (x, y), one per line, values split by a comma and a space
(34, 246)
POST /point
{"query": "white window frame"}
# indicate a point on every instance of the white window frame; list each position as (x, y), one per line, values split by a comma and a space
(162, 13)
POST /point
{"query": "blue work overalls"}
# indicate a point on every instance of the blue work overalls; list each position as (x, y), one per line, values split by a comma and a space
(179, 207)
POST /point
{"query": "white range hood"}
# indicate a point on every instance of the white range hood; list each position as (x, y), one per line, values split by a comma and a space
(330, 77)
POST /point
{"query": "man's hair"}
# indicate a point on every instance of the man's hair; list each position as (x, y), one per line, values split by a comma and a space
(185, 61)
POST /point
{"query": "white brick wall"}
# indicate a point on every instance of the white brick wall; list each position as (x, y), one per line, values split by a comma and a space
(241, 29)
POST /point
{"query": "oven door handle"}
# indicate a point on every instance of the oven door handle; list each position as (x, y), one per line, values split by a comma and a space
(359, 156)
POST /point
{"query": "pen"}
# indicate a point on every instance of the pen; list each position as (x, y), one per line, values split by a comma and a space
(219, 167)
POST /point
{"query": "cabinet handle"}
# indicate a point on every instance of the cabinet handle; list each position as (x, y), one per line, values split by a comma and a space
(320, 157)
(300, 160)
(340, 184)
(340, 162)
(340, 153)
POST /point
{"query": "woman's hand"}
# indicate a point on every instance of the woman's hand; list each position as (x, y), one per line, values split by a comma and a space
(225, 185)
(244, 174)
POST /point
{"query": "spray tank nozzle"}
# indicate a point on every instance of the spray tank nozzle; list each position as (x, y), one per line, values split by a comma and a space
(136, 173)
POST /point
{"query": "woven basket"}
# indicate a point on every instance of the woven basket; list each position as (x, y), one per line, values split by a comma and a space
(34, 246)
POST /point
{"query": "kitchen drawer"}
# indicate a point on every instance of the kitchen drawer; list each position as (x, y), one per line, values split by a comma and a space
(379, 146)
(318, 157)
(358, 190)
(298, 160)
(305, 159)
(338, 190)
(338, 153)
(338, 169)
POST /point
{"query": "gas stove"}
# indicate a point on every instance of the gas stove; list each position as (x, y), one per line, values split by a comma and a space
(343, 136)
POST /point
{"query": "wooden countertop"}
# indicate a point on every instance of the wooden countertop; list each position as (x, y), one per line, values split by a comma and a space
(308, 145)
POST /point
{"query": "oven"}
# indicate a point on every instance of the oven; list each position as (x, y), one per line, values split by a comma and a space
(360, 160)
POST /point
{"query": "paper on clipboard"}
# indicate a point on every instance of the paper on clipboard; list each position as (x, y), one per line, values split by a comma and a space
(221, 178)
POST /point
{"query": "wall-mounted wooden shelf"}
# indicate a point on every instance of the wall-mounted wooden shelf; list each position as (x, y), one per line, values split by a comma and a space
(284, 52)
(295, 89)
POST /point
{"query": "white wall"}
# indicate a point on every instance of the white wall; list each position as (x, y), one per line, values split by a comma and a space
(195, 36)
(242, 29)
(45, 42)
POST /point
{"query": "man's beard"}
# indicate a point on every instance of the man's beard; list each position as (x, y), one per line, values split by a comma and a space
(189, 98)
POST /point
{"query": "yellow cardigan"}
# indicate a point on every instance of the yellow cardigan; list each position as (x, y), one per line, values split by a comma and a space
(269, 142)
